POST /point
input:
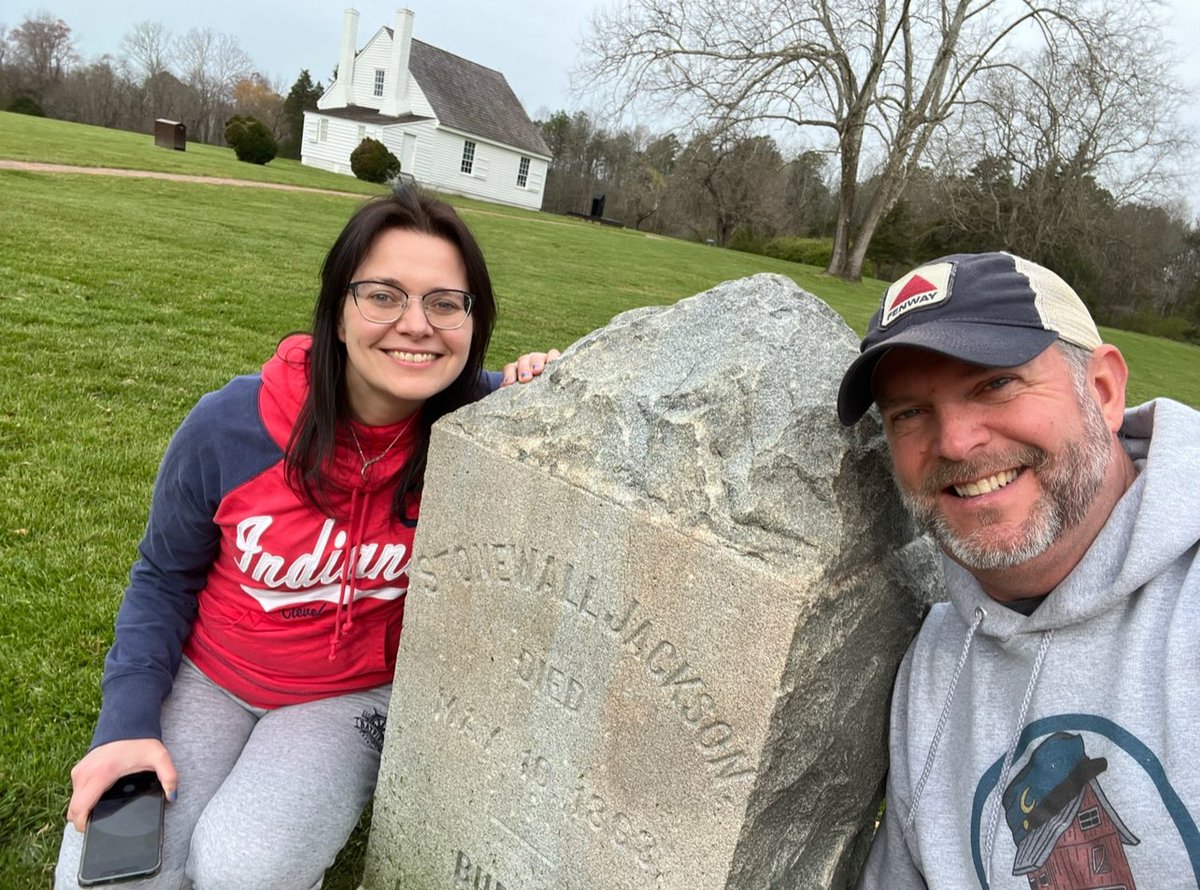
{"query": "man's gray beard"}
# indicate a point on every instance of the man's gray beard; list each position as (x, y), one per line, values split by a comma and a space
(1069, 485)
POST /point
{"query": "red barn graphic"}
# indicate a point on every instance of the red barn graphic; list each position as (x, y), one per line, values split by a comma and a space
(1068, 835)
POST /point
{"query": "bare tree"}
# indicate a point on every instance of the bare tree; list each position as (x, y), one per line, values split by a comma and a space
(879, 78)
(147, 48)
(1063, 139)
(99, 93)
(210, 63)
(5, 54)
(728, 182)
(42, 52)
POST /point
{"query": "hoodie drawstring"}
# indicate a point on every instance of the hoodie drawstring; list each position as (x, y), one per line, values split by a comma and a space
(943, 718)
(346, 588)
(989, 834)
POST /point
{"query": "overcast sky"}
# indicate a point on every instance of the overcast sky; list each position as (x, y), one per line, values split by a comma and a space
(534, 43)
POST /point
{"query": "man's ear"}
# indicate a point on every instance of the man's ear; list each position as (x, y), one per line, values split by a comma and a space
(1107, 376)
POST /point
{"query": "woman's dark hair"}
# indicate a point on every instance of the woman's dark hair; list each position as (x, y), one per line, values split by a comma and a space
(310, 448)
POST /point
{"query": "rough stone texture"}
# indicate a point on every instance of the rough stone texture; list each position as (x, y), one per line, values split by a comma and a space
(657, 603)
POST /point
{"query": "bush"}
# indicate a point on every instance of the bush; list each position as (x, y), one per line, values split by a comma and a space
(810, 251)
(252, 142)
(26, 105)
(745, 240)
(372, 162)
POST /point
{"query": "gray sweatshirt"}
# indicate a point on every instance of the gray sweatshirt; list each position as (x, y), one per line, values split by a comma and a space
(1062, 749)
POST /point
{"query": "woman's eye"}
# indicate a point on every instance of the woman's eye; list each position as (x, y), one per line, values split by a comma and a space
(444, 304)
(383, 298)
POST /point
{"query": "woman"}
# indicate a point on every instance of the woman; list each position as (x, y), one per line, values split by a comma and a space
(256, 641)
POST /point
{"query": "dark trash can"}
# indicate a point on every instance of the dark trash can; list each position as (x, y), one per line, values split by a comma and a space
(597, 207)
(170, 134)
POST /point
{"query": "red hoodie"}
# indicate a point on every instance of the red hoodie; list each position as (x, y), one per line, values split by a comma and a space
(274, 600)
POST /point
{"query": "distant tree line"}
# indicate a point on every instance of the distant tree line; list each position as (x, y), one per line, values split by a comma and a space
(201, 78)
(1135, 263)
(1057, 154)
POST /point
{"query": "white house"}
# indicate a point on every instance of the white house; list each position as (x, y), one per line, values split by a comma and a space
(455, 126)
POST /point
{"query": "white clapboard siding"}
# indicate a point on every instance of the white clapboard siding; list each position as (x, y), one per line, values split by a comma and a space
(431, 153)
(376, 55)
(437, 158)
(332, 153)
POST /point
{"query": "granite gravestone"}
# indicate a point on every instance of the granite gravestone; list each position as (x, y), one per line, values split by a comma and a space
(656, 604)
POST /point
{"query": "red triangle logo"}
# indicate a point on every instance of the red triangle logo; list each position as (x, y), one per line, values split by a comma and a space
(914, 287)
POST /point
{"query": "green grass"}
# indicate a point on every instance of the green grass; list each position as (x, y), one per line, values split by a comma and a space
(25, 138)
(123, 300)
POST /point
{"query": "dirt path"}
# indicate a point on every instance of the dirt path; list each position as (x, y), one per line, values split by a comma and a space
(36, 167)
(174, 177)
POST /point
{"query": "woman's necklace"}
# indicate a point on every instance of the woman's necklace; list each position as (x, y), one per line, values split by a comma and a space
(367, 464)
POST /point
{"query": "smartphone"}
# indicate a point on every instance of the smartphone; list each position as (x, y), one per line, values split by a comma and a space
(123, 838)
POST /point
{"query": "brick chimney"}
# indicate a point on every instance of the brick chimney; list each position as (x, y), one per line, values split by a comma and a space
(395, 89)
(341, 93)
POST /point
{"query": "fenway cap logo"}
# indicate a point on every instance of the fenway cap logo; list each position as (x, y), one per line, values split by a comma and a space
(919, 289)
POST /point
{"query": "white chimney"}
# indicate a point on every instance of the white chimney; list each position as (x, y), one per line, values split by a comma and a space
(395, 89)
(342, 91)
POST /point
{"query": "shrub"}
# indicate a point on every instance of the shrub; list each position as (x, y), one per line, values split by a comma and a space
(810, 251)
(745, 240)
(372, 162)
(252, 142)
(26, 105)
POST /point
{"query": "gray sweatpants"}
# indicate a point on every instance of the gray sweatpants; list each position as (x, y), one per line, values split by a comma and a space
(266, 798)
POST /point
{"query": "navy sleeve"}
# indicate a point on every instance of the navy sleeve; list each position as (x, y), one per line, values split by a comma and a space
(219, 445)
(490, 380)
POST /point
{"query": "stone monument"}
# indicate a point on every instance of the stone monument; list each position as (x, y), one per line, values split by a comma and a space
(656, 604)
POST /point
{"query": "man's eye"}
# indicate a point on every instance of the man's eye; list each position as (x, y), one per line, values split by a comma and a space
(906, 414)
(998, 383)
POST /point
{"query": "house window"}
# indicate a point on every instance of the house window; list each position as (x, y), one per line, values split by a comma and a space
(323, 130)
(362, 132)
(468, 158)
(378, 81)
(523, 173)
(1089, 819)
(1100, 863)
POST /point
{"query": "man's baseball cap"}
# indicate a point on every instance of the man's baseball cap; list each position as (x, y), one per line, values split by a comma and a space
(990, 309)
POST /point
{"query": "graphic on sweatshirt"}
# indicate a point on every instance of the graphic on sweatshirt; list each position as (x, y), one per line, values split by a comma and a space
(1067, 834)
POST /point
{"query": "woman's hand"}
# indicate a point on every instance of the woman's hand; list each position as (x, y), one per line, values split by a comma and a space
(103, 765)
(528, 366)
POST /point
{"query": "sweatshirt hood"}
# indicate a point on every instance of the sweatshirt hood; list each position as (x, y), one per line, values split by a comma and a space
(284, 390)
(364, 463)
(1148, 528)
(285, 387)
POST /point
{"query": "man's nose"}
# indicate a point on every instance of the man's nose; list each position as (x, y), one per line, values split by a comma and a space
(960, 431)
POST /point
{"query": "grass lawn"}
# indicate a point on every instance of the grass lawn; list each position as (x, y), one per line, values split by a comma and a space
(123, 300)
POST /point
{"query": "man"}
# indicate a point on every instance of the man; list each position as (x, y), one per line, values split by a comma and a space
(1046, 721)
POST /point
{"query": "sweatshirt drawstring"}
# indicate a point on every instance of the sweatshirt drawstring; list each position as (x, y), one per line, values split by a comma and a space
(346, 588)
(989, 834)
(980, 614)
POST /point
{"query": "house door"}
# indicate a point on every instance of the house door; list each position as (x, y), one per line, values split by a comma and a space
(408, 151)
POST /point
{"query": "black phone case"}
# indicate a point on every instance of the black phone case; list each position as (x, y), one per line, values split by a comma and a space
(124, 790)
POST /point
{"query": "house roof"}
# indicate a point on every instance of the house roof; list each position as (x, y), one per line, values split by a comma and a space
(364, 115)
(474, 99)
